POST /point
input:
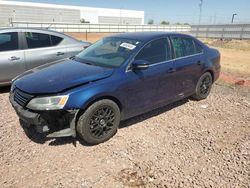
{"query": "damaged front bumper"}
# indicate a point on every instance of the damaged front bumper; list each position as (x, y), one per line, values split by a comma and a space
(58, 123)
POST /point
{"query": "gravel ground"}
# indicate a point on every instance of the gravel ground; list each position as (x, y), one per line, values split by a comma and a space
(186, 144)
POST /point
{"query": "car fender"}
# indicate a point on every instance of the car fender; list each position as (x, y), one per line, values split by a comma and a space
(83, 96)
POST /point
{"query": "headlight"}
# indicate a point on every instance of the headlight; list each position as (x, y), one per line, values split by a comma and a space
(48, 103)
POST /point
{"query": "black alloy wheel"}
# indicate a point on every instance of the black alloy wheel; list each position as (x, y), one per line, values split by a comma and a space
(203, 86)
(102, 122)
(99, 122)
(206, 84)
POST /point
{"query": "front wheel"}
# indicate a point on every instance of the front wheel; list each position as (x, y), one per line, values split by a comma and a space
(203, 87)
(99, 122)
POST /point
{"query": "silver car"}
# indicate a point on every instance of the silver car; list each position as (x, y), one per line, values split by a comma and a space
(22, 49)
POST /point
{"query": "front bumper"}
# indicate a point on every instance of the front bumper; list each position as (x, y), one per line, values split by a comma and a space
(51, 123)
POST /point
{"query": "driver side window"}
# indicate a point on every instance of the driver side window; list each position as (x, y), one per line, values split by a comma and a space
(155, 51)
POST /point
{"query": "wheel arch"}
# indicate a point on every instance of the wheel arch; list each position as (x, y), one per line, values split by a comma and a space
(211, 72)
(95, 99)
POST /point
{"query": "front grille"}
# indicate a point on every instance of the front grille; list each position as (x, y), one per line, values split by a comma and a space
(21, 98)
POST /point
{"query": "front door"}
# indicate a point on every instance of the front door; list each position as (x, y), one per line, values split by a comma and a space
(11, 57)
(149, 88)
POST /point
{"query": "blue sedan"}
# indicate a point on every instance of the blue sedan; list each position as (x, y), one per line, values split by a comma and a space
(115, 79)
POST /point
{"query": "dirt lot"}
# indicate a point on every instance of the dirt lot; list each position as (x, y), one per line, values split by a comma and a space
(189, 143)
(235, 56)
(186, 144)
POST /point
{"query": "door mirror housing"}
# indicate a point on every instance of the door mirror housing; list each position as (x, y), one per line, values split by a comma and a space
(140, 65)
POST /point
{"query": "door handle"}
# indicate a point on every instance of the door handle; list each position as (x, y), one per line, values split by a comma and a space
(59, 53)
(14, 58)
(171, 70)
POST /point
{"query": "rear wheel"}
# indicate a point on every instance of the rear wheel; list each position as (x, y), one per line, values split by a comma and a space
(99, 122)
(203, 86)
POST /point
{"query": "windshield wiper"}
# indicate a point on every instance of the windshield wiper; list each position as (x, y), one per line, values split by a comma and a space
(73, 57)
(87, 63)
(83, 61)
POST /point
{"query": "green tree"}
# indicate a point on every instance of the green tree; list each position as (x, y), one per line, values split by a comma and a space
(83, 21)
(151, 21)
(165, 22)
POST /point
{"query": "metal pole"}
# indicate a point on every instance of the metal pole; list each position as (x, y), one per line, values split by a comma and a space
(200, 5)
(233, 17)
(14, 15)
(120, 15)
(215, 18)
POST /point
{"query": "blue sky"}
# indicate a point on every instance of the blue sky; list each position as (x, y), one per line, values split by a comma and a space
(214, 11)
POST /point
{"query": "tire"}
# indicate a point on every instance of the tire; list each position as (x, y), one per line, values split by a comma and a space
(99, 122)
(203, 87)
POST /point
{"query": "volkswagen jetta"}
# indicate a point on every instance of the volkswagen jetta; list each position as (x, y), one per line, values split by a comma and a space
(116, 78)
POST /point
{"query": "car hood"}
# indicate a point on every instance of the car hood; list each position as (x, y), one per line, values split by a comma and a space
(58, 76)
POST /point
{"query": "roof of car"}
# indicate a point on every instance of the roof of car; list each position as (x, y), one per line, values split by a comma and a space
(146, 36)
(42, 30)
(29, 28)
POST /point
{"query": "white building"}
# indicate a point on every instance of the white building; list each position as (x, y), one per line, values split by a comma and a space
(41, 12)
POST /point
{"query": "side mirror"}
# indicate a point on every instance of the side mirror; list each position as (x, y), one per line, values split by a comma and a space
(139, 65)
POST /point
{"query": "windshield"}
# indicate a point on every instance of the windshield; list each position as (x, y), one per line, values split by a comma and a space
(109, 52)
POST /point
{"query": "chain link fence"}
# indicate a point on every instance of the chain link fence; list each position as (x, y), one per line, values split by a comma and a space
(105, 28)
(221, 31)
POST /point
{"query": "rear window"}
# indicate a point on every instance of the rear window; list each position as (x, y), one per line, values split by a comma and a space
(8, 41)
(178, 46)
(40, 40)
(37, 40)
(198, 47)
(184, 46)
(189, 46)
(55, 40)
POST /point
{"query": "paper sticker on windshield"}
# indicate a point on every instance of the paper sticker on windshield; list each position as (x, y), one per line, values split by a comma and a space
(128, 46)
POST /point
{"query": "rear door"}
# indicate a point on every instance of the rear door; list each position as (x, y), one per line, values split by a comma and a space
(11, 56)
(188, 64)
(42, 48)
